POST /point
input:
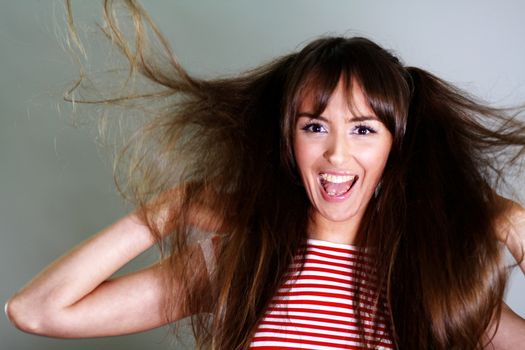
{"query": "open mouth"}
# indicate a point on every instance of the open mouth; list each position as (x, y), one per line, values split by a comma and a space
(337, 185)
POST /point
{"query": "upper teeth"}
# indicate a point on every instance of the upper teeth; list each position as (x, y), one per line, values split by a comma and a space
(337, 179)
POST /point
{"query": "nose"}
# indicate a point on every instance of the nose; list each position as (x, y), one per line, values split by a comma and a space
(337, 150)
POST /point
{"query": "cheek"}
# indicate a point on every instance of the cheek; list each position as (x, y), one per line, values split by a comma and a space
(304, 155)
(374, 160)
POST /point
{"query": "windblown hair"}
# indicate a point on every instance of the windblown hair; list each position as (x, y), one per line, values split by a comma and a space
(224, 147)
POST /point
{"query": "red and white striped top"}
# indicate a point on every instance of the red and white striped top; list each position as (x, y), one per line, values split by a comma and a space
(315, 308)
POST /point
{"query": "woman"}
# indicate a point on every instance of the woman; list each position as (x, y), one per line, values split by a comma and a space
(336, 148)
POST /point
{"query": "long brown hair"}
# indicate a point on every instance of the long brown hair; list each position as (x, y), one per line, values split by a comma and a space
(224, 146)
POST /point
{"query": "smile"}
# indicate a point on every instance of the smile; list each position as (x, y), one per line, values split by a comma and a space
(337, 185)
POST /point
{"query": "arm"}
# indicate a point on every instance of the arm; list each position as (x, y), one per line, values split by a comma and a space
(510, 333)
(74, 297)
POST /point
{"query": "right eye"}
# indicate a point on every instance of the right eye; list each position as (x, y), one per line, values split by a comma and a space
(314, 128)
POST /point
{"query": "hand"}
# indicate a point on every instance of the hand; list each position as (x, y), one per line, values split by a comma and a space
(510, 228)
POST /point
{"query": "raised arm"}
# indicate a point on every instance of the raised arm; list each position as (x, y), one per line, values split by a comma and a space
(511, 231)
(75, 297)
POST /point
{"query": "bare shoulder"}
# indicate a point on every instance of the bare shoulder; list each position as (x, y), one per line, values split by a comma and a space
(510, 333)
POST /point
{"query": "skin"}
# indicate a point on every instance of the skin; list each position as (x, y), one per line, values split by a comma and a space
(74, 297)
(344, 139)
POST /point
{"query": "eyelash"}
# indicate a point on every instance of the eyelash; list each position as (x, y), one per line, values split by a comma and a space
(309, 127)
(369, 130)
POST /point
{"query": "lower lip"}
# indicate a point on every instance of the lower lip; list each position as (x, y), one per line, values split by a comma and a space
(336, 199)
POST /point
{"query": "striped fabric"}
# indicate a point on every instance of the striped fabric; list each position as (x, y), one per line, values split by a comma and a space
(315, 307)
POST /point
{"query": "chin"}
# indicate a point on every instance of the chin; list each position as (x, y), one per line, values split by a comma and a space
(335, 216)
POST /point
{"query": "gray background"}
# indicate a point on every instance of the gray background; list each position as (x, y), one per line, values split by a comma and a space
(55, 187)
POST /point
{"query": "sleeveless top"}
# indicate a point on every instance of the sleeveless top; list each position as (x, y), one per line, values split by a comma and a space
(315, 307)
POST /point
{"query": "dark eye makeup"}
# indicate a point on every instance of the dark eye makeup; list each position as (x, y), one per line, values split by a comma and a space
(360, 129)
(313, 127)
(363, 129)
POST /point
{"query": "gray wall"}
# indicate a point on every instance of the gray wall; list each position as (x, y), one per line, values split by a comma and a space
(55, 189)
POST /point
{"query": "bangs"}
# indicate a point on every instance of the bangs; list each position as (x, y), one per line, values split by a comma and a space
(320, 83)
(319, 87)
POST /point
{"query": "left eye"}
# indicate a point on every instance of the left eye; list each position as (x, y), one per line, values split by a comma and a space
(314, 128)
(363, 130)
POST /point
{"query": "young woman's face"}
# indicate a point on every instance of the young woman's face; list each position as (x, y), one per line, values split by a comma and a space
(340, 155)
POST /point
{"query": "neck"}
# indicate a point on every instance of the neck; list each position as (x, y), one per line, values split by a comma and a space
(333, 231)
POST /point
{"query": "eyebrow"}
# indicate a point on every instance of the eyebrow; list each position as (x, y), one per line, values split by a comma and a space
(359, 118)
